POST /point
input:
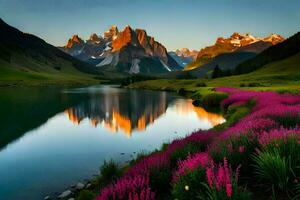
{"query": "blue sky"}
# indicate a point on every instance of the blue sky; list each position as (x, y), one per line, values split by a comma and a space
(175, 23)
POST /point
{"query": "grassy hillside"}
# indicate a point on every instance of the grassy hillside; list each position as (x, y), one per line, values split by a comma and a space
(283, 50)
(28, 60)
(197, 63)
(280, 76)
(226, 61)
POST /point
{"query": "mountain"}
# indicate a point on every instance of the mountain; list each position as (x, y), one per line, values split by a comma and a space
(27, 59)
(130, 51)
(185, 52)
(236, 42)
(225, 61)
(285, 49)
(184, 56)
(129, 112)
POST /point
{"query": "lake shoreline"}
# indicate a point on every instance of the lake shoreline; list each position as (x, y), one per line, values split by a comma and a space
(93, 183)
(87, 126)
(238, 148)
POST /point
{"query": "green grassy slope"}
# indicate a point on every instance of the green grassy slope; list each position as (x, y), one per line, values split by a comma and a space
(28, 60)
(226, 61)
(22, 70)
(279, 75)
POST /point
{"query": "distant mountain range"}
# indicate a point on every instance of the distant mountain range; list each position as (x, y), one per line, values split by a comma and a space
(117, 54)
(235, 43)
(227, 54)
(184, 56)
(130, 51)
(283, 50)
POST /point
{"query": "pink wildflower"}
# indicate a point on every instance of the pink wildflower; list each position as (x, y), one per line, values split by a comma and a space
(241, 149)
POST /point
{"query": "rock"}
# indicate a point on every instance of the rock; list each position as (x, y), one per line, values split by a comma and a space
(47, 198)
(65, 194)
(79, 186)
(71, 199)
(88, 186)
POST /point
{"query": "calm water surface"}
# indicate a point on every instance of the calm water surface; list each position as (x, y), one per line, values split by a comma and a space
(53, 138)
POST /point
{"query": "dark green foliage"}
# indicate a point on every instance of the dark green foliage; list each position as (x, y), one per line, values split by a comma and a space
(213, 100)
(160, 181)
(234, 114)
(287, 120)
(135, 78)
(252, 84)
(195, 181)
(277, 166)
(217, 72)
(197, 102)
(277, 52)
(212, 194)
(287, 148)
(86, 195)
(237, 150)
(297, 191)
(4, 54)
(201, 84)
(57, 68)
(272, 169)
(109, 171)
(182, 91)
(226, 62)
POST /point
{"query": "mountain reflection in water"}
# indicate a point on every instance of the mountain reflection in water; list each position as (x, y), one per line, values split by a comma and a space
(39, 145)
(135, 111)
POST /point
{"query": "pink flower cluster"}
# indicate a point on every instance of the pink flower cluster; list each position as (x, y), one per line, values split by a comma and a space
(221, 177)
(191, 163)
(270, 106)
(131, 188)
(156, 160)
(276, 135)
(262, 123)
(141, 170)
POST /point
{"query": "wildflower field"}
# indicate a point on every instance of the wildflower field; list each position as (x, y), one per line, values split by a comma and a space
(254, 155)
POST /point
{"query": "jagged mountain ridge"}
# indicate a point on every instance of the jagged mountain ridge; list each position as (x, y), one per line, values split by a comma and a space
(184, 56)
(128, 51)
(235, 43)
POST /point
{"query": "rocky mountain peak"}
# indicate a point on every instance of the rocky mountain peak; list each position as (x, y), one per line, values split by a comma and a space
(75, 40)
(236, 41)
(236, 35)
(112, 33)
(124, 38)
(95, 38)
(185, 52)
(125, 49)
(274, 38)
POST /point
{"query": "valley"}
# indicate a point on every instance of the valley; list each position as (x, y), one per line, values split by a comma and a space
(149, 100)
